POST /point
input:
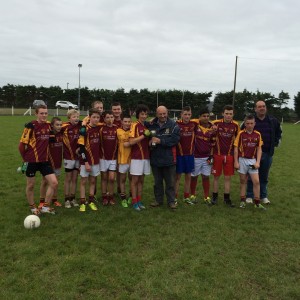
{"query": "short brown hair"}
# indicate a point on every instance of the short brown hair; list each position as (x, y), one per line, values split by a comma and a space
(39, 107)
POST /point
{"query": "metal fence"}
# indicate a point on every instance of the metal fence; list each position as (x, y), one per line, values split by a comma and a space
(11, 111)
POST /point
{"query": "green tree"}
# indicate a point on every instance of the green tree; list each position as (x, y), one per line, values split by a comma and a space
(283, 98)
(220, 100)
(297, 104)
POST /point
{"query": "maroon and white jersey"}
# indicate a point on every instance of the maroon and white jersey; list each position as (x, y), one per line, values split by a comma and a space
(139, 150)
(225, 136)
(37, 141)
(56, 151)
(70, 139)
(91, 143)
(247, 143)
(205, 138)
(109, 142)
(187, 138)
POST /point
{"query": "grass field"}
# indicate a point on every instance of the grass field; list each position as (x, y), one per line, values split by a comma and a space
(197, 252)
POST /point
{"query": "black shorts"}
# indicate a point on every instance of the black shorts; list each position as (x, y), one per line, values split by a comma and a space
(44, 168)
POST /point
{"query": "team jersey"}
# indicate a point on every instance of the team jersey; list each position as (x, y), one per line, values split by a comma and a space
(139, 150)
(56, 151)
(37, 141)
(225, 136)
(91, 142)
(70, 139)
(187, 138)
(205, 138)
(247, 143)
(109, 143)
(118, 123)
(123, 152)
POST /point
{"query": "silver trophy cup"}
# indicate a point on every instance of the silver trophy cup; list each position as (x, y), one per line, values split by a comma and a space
(153, 133)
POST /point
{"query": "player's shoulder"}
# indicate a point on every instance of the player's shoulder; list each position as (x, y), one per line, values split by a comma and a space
(236, 123)
(256, 132)
(217, 121)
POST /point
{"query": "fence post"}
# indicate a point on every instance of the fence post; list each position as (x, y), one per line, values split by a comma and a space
(12, 110)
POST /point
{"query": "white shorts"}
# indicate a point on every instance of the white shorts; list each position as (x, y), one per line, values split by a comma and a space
(95, 171)
(124, 168)
(245, 164)
(140, 167)
(57, 172)
(201, 167)
(108, 165)
(71, 164)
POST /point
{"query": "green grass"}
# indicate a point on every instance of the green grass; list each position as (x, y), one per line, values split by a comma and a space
(196, 252)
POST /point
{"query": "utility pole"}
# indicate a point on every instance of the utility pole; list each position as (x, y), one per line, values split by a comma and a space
(233, 99)
(79, 66)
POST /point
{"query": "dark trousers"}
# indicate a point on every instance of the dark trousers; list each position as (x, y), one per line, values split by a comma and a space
(164, 183)
(264, 169)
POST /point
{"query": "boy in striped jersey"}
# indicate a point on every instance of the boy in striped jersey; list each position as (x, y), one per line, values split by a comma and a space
(185, 153)
(34, 147)
(70, 132)
(55, 159)
(226, 131)
(89, 145)
(247, 156)
(108, 158)
(204, 142)
(140, 156)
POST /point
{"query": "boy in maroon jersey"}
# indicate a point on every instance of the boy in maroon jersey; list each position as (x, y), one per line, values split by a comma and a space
(117, 112)
(140, 156)
(204, 142)
(55, 159)
(247, 156)
(98, 105)
(89, 144)
(226, 132)
(34, 148)
(70, 132)
(108, 160)
(185, 152)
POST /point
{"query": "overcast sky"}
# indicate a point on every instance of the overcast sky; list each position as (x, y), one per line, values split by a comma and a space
(163, 44)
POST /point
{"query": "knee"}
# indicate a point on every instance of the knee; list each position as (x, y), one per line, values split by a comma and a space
(243, 180)
(30, 186)
(54, 183)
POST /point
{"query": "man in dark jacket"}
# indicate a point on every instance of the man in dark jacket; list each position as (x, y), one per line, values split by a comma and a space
(270, 130)
(165, 137)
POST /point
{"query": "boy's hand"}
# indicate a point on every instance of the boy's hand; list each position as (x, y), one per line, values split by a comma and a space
(236, 165)
(87, 167)
(210, 160)
(256, 165)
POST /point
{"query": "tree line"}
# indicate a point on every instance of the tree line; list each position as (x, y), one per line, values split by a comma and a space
(23, 96)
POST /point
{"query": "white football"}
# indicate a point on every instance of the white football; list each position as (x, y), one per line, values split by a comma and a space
(32, 221)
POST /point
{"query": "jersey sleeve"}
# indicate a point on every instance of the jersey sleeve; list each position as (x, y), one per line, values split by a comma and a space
(26, 136)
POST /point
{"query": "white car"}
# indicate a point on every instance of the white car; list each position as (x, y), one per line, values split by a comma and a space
(65, 104)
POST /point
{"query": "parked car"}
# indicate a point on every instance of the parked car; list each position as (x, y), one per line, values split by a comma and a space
(65, 104)
(37, 103)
